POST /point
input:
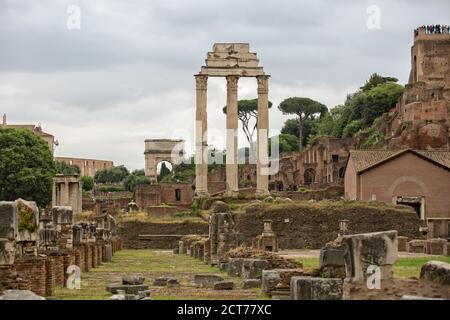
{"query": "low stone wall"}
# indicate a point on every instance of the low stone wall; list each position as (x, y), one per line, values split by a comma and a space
(312, 225)
(150, 235)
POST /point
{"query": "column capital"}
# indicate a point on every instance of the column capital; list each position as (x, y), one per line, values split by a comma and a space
(263, 83)
(201, 82)
(232, 82)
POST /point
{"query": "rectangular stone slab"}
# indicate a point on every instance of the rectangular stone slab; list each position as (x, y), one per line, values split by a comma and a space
(8, 220)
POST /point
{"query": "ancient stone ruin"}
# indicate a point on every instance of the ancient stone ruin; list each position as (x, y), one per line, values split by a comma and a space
(38, 246)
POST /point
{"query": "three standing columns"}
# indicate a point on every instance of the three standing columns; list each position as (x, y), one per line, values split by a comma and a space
(201, 154)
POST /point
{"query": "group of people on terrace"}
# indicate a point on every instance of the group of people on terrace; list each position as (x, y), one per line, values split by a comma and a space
(433, 29)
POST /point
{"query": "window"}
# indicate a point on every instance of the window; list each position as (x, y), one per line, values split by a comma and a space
(335, 157)
(177, 194)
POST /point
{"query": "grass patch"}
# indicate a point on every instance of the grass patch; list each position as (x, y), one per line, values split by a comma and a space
(410, 267)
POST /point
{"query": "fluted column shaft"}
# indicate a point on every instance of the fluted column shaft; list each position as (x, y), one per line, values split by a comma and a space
(232, 140)
(262, 159)
(201, 141)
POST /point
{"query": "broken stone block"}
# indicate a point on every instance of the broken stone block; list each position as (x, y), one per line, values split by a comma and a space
(176, 250)
(235, 267)
(332, 262)
(416, 246)
(402, 243)
(62, 215)
(309, 288)
(160, 281)
(436, 246)
(377, 249)
(436, 271)
(20, 295)
(206, 280)
(278, 278)
(224, 285)
(447, 249)
(173, 283)
(251, 283)
(252, 268)
(133, 280)
(7, 251)
(128, 289)
(9, 220)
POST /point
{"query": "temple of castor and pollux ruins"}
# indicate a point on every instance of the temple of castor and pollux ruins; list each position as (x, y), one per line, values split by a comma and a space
(358, 208)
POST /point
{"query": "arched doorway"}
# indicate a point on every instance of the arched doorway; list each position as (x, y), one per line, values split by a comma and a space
(163, 168)
(309, 176)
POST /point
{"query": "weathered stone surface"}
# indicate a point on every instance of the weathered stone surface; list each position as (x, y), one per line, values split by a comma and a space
(402, 243)
(7, 251)
(224, 285)
(128, 289)
(332, 262)
(331, 257)
(436, 271)
(161, 281)
(235, 267)
(62, 215)
(173, 283)
(436, 246)
(252, 268)
(20, 295)
(309, 288)
(220, 207)
(378, 249)
(108, 253)
(416, 246)
(278, 278)
(133, 280)
(206, 280)
(251, 283)
(9, 220)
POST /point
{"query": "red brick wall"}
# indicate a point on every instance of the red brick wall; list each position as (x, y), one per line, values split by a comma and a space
(409, 175)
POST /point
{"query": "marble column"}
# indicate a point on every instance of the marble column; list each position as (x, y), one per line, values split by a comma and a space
(201, 141)
(262, 159)
(232, 140)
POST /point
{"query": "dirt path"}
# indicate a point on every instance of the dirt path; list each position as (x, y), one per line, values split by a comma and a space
(152, 264)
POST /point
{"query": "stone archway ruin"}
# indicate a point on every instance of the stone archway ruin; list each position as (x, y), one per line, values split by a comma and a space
(158, 150)
(232, 61)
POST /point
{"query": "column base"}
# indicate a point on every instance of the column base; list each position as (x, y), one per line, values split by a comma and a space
(201, 194)
(231, 194)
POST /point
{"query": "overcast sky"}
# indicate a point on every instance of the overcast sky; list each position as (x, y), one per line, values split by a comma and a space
(127, 73)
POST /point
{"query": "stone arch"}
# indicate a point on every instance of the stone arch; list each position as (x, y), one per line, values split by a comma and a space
(159, 150)
(309, 177)
(404, 179)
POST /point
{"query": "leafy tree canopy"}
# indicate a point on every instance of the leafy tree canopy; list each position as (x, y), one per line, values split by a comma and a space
(26, 167)
(88, 183)
(113, 175)
(64, 168)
